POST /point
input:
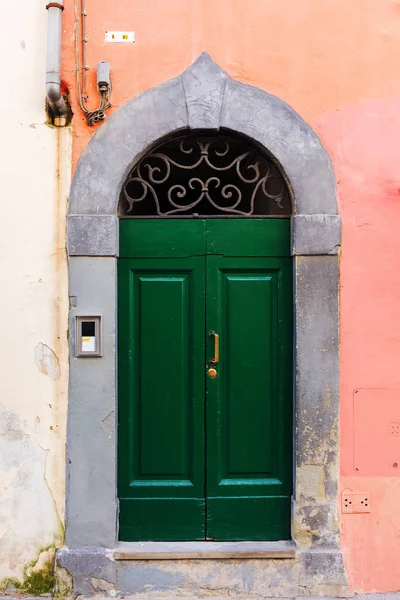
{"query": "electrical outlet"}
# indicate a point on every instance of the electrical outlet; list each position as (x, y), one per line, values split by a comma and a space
(128, 37)
(356, 502)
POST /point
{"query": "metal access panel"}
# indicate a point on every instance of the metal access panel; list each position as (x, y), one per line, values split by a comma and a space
(377, 432)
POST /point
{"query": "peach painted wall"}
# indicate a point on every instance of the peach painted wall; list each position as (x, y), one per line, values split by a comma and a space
(337, 63)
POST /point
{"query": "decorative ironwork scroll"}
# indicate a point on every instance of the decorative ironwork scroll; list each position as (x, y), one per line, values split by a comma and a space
(202, 176)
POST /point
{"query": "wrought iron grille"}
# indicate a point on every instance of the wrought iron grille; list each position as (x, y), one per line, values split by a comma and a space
(203, 176)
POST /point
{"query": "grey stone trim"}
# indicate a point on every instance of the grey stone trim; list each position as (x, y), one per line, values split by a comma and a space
(93, 235)
(91, 507)
(317, 393)
(316, 234)
(315, 573)
(202, 550)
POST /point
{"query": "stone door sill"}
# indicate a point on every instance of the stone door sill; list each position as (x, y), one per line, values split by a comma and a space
(202, 550)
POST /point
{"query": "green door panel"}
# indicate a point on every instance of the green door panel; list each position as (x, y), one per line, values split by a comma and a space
(161, 519)
(248, 237)
(162, 238)
(161, 391)
(249, 418)
(264, 518)
(200, 457)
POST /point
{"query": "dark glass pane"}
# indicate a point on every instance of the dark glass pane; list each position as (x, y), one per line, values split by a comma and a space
(206, 177)
(88, 328)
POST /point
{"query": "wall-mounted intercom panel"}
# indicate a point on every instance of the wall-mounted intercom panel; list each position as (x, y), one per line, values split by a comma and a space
(88, 336)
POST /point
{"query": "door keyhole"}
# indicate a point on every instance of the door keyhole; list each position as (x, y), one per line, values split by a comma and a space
(212, 373)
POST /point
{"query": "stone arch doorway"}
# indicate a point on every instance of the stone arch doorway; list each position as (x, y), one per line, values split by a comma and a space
(205, 98)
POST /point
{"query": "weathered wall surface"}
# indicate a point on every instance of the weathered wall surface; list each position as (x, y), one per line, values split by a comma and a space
(336, 63)
(33, 317)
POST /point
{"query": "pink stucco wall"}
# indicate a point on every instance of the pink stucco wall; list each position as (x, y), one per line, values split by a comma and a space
(337, 63)
(362, 138)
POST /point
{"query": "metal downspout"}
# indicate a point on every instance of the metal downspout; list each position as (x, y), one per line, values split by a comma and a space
(55, 98)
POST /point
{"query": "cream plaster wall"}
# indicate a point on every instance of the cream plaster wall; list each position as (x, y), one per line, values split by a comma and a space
(33, 296)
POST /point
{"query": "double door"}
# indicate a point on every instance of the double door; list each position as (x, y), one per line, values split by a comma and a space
(205, 379)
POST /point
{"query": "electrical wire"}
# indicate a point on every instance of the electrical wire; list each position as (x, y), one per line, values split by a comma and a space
(99, 114)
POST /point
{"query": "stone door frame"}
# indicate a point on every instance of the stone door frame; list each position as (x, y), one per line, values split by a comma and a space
(204, 97)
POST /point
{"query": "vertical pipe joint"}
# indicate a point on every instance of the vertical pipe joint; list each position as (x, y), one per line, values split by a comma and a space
(55, 99)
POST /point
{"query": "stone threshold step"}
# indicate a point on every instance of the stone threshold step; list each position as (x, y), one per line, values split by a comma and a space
(202, 550)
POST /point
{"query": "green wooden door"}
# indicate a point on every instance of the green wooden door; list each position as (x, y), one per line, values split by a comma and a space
(202, 457)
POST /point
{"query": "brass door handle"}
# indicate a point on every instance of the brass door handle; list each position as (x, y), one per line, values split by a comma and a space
(215, 360)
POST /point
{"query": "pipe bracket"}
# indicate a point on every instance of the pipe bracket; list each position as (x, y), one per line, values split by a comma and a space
(55, 5)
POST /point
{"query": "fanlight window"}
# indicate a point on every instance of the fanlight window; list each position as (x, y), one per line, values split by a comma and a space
(204, 176)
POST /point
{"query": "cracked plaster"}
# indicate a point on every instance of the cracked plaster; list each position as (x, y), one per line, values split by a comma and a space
(24, 492)
(47, 361)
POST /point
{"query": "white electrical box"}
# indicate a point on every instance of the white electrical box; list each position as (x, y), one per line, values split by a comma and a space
(127, 37)
(88, 336)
